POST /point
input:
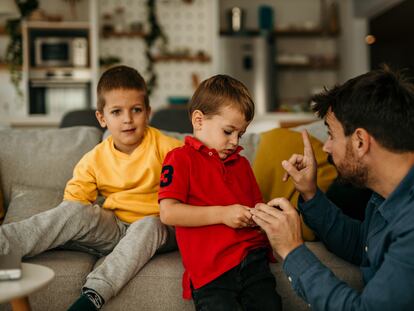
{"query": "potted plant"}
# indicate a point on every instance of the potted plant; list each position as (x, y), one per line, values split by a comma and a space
(155, 38)
(14, 51)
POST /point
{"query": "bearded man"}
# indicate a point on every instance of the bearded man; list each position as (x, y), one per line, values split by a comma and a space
(370, 121)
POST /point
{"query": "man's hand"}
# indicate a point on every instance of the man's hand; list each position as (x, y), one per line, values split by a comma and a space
(281, 222)
(237, 216)
(302, 169)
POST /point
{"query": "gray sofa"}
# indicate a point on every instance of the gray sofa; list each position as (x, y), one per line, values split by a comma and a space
(34, 168)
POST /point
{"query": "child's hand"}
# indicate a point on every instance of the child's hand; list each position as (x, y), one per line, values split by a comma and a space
(237, 216)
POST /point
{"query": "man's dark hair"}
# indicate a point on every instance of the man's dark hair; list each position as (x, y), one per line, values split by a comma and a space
(120, 77)
(380, 101)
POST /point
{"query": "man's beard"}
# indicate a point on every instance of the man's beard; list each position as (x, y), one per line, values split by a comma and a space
(350, 170)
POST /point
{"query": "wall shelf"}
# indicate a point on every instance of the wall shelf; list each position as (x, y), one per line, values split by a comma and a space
(310, 62)
(5, 66)
(305, 33)
(283, 33)
(123, 34)
(307, 66)
(184, 58)
(65, 25)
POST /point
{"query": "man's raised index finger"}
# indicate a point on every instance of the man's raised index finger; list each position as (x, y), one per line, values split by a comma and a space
(307, 150)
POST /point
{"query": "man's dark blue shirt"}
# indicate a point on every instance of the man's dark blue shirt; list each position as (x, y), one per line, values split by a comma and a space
(382, 245)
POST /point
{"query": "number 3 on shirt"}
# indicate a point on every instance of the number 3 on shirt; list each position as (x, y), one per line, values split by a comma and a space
(166, 175)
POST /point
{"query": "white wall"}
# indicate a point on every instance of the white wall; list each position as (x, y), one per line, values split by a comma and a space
(370, 8)
(354, 52)
(10, 102)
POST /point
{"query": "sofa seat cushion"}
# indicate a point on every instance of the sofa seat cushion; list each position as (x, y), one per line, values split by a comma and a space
(163, 274)
(156, 286)
(28, 201)
(71, 269)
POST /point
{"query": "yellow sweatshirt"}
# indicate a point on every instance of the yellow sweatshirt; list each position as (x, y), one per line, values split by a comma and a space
(129, 183)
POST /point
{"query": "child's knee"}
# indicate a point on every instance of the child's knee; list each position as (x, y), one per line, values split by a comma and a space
(149, 224)
(152, 220)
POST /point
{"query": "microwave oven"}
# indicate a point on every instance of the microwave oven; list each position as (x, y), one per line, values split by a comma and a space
(61, 52)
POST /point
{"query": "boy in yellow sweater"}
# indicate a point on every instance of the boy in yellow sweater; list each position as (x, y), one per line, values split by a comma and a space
(125, 170)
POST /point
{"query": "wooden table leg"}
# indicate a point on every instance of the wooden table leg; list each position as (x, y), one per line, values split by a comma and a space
(20, 304)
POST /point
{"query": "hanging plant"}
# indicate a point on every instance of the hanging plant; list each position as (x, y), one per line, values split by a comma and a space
(155, 39)
(14, 51)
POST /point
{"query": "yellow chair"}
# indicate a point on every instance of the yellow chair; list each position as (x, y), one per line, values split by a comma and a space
(277, 145)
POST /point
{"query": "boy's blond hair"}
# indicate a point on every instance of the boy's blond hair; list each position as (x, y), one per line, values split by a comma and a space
(219, 91)
(120, 77)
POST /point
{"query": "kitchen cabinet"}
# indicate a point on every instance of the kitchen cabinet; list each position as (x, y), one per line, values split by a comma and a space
(57, 66)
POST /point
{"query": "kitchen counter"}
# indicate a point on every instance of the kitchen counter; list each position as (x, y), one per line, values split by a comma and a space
(265, 122)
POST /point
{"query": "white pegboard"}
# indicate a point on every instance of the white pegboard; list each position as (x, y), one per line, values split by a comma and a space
(187, 26)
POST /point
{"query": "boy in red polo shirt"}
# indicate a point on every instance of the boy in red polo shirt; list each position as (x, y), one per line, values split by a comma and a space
(206, 191)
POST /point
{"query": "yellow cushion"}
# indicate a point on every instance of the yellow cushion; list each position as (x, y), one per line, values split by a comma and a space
(278, 145)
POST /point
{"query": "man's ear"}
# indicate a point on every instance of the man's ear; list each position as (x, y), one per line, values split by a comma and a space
(361, 141)
(101, 119)
(197, 118)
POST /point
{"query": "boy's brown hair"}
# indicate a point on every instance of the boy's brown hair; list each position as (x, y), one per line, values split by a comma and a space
(120, 77)
(219, 91)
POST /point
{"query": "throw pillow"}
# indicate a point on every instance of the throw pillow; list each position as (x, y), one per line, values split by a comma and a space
(278, 145)
(27, 201)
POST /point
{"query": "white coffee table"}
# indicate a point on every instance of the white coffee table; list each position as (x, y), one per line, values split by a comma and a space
(34, 277)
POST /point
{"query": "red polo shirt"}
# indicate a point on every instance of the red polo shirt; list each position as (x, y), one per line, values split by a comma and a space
(195, 175)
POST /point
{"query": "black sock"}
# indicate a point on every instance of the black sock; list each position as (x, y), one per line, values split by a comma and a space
(89, 300)
(94, 297)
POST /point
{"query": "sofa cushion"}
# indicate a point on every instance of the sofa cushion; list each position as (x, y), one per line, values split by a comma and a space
(163, 275)
(28, 201)
(156, 287)
(278, 145)
(42, 158)
(316, 129)
(249, 142)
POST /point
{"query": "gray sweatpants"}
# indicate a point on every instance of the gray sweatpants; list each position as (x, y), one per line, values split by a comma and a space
(90, 228)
